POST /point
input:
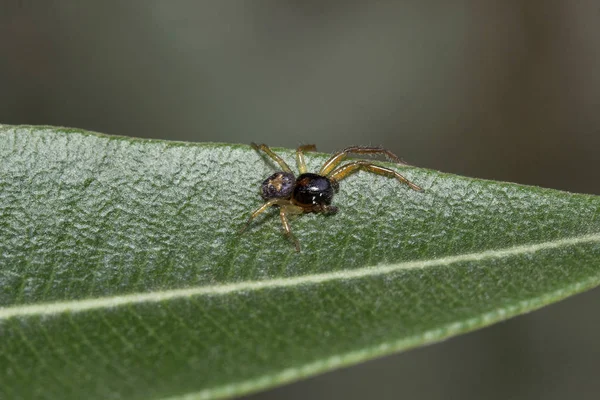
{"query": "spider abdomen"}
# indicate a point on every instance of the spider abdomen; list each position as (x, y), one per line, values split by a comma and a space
(278, 186)
(313, 189)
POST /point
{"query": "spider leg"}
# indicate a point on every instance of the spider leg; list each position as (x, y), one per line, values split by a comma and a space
(340, 156)
(300, 156)
(285, 208)
(273, 156)
(283, 211)
(348, 169)
(262, 209)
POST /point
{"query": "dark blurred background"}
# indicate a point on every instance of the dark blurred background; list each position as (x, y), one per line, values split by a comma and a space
(506, 90)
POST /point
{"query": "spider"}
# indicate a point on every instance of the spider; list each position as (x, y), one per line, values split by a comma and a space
(310, 192)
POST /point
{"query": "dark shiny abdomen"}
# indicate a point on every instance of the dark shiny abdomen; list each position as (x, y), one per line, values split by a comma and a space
(312, 189)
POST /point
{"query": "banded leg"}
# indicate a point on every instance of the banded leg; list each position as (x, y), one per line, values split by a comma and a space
(273, 156)
(337, 158)
(300, 156)
(348, 169)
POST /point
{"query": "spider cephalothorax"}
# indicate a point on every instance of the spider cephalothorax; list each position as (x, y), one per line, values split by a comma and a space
(310, 192)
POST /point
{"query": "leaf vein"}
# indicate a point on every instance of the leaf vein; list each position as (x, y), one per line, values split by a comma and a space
(249, 286)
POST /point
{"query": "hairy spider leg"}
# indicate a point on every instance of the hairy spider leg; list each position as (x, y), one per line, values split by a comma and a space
(285, 207)
(348, 169)
(273, 156)
(340, 156)
(300, 156)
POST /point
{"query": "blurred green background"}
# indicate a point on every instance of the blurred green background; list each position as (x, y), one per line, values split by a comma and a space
(505, 90)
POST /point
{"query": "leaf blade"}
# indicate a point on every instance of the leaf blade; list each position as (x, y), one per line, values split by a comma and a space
(246, 312)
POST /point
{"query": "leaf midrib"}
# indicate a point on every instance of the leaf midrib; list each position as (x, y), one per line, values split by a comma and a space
(381, 349)
(47, 309)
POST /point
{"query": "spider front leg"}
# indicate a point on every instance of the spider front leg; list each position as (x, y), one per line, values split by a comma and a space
(346, 170)
(300, 156)
(273, 156)
(337, 158)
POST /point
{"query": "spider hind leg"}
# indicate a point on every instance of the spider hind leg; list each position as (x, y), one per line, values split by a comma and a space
(285, 208)
(272, 155)
(283, 211)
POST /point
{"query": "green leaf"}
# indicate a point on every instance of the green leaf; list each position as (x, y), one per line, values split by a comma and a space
(123, 275)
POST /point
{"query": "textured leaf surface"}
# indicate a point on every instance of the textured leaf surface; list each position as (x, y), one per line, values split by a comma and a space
(122, 275)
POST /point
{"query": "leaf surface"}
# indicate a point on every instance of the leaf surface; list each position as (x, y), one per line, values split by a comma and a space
(123, 275)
